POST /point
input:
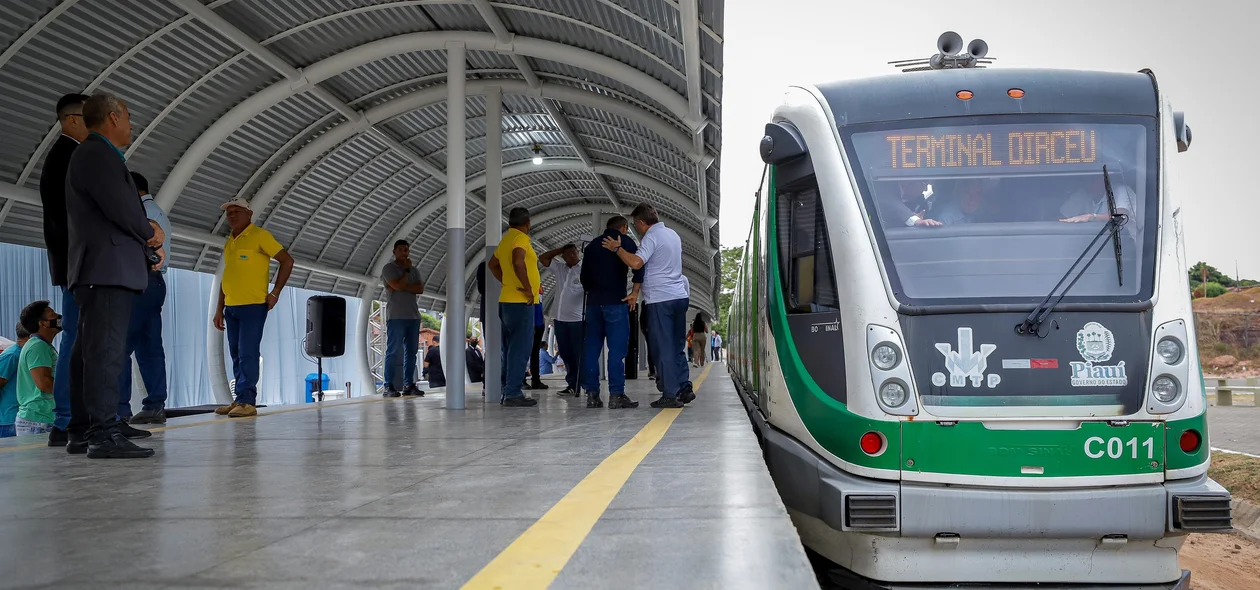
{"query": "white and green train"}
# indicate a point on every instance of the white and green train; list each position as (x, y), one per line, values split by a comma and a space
(963, 330)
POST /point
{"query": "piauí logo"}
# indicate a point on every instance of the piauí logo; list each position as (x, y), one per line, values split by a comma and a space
(966, 362)
(1096, 344)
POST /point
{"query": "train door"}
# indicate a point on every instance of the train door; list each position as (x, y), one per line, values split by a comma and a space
(803, 265)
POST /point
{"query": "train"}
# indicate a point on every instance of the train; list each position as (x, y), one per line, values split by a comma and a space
(962, 328)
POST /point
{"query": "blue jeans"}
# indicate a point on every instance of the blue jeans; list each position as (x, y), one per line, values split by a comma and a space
(569, 341)
(144, 339)
(518, 340)
(402, 337)
(7, 430)
(61, 373)
(667, 330)
(611, 322)
(244, 333)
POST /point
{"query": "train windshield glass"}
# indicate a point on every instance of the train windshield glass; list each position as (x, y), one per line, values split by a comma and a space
(997, 209)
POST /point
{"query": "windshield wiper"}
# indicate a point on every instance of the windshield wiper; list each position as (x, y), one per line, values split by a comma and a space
(1116, 221)
(1032, 323)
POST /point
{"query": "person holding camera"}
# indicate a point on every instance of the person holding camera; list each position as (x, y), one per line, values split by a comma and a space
(112, 248)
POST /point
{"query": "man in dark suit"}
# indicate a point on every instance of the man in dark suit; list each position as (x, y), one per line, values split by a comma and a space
(109, 241)
(52, 193)
(475, 361)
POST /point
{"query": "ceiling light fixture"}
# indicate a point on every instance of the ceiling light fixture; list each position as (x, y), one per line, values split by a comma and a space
(538, 157)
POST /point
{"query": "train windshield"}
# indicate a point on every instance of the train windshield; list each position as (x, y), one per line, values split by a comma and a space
(991, 210)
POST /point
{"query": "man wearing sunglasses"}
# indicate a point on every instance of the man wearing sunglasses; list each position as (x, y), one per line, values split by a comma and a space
(52, 193)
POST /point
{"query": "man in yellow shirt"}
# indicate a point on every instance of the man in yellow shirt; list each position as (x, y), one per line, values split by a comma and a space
(244, 299)
(515, 264)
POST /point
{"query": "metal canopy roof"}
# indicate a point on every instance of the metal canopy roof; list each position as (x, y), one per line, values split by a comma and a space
(330, 117)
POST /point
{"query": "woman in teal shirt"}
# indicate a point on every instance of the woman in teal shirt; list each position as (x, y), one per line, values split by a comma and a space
(8, 383)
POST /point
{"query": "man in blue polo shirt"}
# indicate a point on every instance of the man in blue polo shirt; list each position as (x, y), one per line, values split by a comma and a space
(608, 313)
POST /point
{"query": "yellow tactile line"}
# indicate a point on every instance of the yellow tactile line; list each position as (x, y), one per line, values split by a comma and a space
(228, 420)
(536, 557)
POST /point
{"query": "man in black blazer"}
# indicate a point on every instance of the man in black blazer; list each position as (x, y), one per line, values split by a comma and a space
(110, 238)
(475, 361)
(52, 193)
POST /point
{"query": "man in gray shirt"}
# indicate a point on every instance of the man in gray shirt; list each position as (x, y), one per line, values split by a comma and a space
(402, 321)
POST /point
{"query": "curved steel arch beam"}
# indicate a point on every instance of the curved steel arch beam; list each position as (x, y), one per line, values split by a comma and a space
(438, 94)
(350, 59)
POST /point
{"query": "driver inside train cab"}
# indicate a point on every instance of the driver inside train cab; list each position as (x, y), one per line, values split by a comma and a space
(967, 205)
(1089, 202)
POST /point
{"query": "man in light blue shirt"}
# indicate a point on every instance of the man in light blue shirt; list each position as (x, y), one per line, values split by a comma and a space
(667, 295)
(144, 333)
(8, 383)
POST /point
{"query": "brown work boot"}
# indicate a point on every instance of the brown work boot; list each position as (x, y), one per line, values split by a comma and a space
(243, 411)
(224, 410)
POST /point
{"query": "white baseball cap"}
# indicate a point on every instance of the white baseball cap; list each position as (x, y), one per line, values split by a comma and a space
(237, 202)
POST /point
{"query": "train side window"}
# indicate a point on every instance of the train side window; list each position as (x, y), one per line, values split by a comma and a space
(805, 258)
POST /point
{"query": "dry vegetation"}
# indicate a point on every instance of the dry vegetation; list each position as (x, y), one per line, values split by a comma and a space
(1228, 328)
(1239, 474)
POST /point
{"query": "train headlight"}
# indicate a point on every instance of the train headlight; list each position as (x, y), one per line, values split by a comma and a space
(893, 393)
(1165, 388)
(886, 356)
(1170, 350)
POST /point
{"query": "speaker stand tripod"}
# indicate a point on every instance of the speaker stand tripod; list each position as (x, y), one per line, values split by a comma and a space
(319, 378)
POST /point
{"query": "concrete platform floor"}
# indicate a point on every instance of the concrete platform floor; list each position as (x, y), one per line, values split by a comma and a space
(401, 493)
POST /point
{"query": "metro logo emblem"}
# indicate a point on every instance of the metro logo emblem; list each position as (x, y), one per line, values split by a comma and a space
(966, 362)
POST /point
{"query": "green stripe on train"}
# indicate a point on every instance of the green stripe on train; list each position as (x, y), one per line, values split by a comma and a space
(828, 421)
(1093, 449)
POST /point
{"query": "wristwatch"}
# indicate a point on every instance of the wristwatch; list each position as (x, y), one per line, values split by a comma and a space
(913, 220)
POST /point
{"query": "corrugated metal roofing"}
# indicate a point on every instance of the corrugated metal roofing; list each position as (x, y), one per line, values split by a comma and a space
(342, 203)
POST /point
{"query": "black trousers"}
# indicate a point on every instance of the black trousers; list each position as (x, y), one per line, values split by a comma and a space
(98, 358)
(533, 355)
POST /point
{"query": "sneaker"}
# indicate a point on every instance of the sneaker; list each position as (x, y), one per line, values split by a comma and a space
(687, 395)
(243, 411)
(567, 391)
(667, 402)
(131, 432)
(618, 402)
(117, 447)
(223, 410)
(157, 416)
(58, 437)
(77, 445)
(520, 402)
(539, 385)
(593, 401)
(413, 390)
(391, 392)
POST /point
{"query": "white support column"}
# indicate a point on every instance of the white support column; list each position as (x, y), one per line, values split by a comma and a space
(455, 198)
(494, 231)
(215, 366)
(363, 334)
(597, 224)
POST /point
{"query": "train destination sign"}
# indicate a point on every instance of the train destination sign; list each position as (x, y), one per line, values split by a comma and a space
(1016, 147)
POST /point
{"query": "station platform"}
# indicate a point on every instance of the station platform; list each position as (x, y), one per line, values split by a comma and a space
(402, 493)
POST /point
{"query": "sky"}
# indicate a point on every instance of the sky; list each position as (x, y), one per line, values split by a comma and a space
(1202, 52)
